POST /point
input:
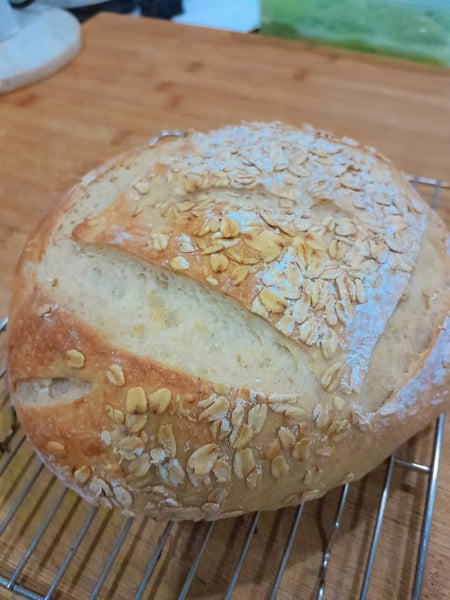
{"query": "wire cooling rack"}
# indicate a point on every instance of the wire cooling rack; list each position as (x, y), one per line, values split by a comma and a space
(54, 545)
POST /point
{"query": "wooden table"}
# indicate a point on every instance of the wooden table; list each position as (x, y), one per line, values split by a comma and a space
(135, 77)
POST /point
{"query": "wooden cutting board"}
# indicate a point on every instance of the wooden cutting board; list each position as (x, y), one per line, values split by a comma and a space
(133, 78)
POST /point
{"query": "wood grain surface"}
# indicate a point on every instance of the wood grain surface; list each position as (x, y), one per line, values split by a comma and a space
(133, 78)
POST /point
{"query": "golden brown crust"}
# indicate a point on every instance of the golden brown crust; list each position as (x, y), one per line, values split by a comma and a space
(329, 456)
(150, 438)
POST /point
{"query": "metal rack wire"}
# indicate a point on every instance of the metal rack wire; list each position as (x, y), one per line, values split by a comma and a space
(17, 581)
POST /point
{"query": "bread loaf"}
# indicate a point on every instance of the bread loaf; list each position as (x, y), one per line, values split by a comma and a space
(230, 322)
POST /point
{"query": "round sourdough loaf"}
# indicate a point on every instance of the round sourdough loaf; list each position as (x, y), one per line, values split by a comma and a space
(229, 322)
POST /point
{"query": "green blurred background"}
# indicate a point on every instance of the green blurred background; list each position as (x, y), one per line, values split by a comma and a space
(414, 29)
